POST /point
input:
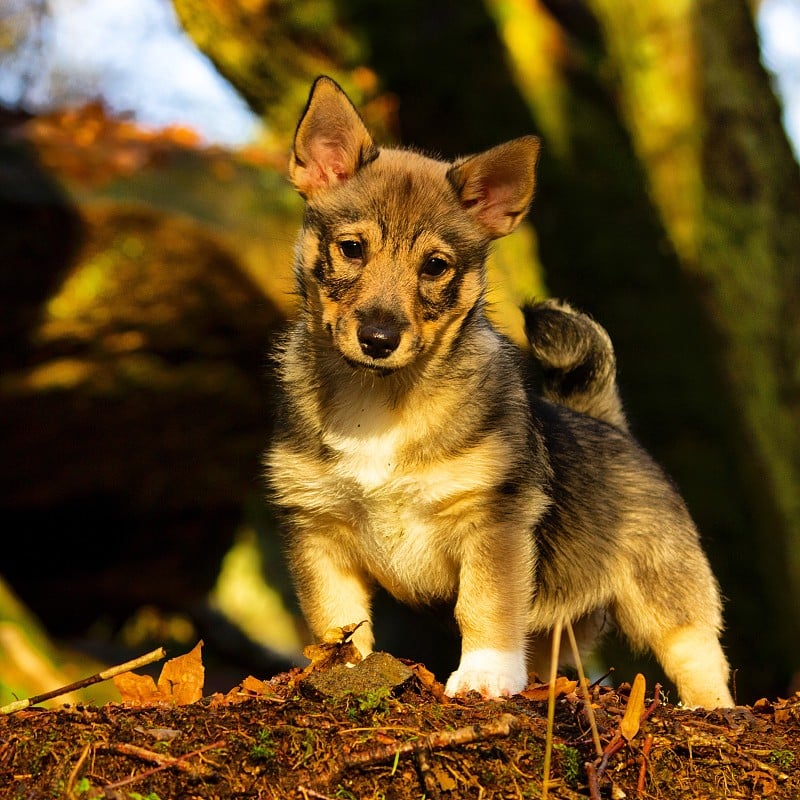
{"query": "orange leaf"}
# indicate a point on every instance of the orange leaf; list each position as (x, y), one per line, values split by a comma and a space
(181, 682)
(254, 686)
(541, 691)
(629, 726)
(182, 678)
(335, 648)
(137, 690)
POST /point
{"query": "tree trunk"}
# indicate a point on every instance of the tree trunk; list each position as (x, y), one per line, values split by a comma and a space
(667, 207)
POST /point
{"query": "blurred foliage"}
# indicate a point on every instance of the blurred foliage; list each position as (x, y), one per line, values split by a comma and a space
(667, 206)
(30, 665)
(271, 50)
(143, 278)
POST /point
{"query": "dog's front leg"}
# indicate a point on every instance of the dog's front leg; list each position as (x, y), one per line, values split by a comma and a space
(494, 598)
(333, 591)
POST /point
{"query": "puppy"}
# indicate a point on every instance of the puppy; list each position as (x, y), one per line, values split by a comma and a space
(412, 451)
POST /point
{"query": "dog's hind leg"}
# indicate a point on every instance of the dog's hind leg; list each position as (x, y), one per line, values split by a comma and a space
(683, 635)
(692, 657)
(579, 369)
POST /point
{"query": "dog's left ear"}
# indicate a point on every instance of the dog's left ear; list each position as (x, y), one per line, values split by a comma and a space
(331, 142)
(496, 187)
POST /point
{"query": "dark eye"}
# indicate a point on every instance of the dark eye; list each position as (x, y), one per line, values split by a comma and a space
(435, 267)
(351, 248)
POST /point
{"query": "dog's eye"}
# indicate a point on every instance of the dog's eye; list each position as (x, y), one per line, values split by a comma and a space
(435, 267)
(351, 248)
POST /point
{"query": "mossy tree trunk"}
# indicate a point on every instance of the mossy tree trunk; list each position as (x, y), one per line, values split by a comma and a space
(706, 127)
(667, 206)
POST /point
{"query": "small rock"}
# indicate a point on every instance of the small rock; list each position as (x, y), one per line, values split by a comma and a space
(376, 671)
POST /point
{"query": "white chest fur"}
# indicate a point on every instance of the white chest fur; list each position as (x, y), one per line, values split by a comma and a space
(408, 505)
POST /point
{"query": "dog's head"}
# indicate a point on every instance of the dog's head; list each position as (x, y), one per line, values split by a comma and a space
(392, 256)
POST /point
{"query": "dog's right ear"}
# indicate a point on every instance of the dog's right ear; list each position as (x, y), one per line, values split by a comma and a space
(496, 187)
(331, 142)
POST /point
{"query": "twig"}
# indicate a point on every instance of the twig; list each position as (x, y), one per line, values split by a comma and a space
(595, 770)
(307, 792)
(170, 762)
(551, 707)
(585, 687)
(73, 775)
(179, 762)
(426, 772)
(99, 677)
(438, 740)
(599, 680)
(648, 743)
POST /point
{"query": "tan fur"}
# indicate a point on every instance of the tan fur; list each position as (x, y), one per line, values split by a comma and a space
(412, 454)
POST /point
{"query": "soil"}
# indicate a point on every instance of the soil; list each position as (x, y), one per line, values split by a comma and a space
(294, 737)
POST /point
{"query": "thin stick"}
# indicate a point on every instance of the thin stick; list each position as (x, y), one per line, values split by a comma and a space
(551, 707)
(73, 775)
(161, 767)
(99, 677)
(648, 743)
(179, 762)
(585, 687)
(594, 771)
(437, 740)
(307, 792)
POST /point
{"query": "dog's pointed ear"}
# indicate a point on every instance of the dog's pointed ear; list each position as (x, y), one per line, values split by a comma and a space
(496, 187)
(331, 142)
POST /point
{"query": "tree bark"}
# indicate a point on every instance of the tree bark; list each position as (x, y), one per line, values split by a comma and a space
(667, 207)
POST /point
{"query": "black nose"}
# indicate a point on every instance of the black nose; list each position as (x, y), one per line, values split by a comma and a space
(378, 340)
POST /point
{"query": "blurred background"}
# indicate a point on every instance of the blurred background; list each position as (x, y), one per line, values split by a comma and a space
(146, 236)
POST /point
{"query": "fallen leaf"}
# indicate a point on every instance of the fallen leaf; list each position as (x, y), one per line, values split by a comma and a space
(335, 648)
(180, 682)
(541, 691)
(629, 726)
(428, 680)
(159, 734)
(182, 678)
(137, 690)
(445, 780)
(253, 685)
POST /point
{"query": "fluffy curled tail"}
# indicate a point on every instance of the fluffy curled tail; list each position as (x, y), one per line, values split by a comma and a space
(579, 369)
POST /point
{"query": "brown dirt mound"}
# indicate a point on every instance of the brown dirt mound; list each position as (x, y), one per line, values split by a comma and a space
(287, 739)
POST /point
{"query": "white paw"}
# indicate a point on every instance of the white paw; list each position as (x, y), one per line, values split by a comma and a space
(493, 673)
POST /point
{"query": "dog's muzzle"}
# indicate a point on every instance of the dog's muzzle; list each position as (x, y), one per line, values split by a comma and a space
(378, 341)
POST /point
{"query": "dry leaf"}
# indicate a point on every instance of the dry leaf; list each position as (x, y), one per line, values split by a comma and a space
(629, 726)
(181, 682)
(445, 780)
(541, 691)
(253, 685)
(335, 648)
(182, 678)
(159, 734)
(137, 690)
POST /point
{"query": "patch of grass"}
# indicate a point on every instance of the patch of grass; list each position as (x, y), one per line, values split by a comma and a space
(264, 750)
(570, 763)
(374, 700)
(782, 759)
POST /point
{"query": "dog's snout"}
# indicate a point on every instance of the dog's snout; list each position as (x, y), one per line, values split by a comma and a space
(378, 339)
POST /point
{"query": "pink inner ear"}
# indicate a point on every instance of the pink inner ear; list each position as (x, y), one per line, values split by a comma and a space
(494, 203)
(328, 163)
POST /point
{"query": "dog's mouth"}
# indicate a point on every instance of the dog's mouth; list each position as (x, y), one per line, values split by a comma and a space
(374, 367)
